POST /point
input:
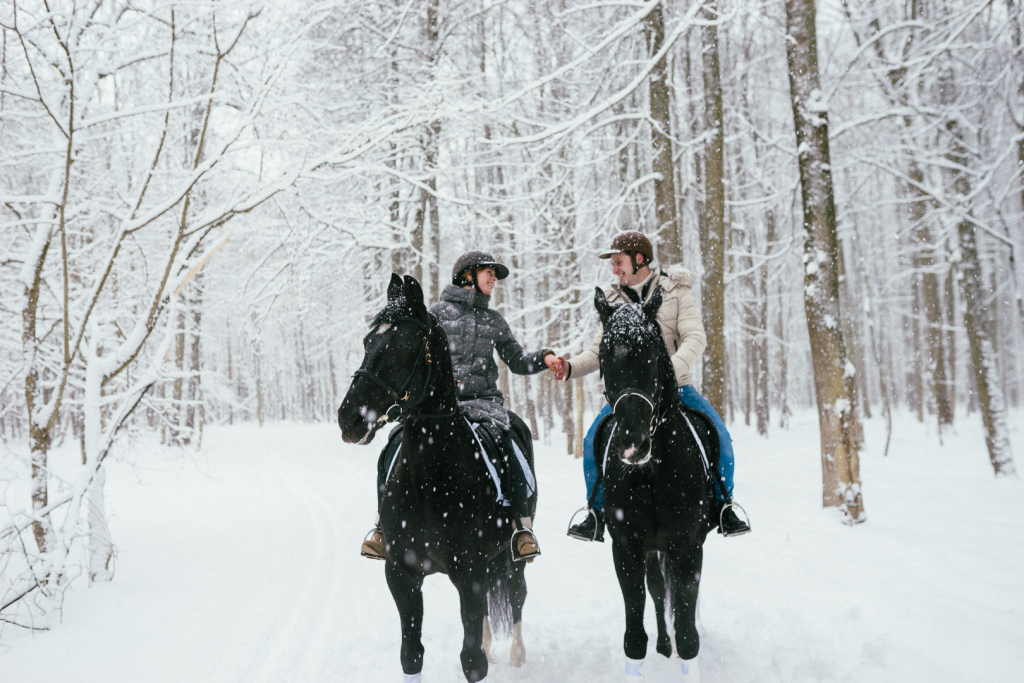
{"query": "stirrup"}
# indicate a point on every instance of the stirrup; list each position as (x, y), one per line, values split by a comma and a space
(745, 519)
(590, 513)
(367, 543)
(514, 546)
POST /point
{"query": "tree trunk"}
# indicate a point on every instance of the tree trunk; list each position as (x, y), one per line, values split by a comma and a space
(976, 319)
(763, 374)
(833, 379)
(669, 227)
(712, 240)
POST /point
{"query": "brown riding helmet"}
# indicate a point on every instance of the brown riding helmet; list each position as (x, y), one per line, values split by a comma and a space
(630, 242)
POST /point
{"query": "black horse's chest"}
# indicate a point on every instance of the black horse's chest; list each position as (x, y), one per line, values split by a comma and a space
(435, 501)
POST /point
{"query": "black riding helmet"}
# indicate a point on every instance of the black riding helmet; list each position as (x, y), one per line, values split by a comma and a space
(472, 260)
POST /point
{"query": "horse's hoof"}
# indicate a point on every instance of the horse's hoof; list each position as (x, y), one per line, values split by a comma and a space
(664, 647)
(634, 669)
(690, 670)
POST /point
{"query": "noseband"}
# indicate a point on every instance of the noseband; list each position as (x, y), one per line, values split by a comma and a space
(401, 394)
(652, 401)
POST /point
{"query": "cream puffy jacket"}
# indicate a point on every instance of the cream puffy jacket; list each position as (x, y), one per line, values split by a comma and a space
(678, 317)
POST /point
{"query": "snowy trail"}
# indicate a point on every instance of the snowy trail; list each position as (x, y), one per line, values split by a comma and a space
(242, 565)
(299, 632)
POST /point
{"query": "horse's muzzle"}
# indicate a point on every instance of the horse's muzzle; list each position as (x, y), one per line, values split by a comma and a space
(636, 453)
(356, 424)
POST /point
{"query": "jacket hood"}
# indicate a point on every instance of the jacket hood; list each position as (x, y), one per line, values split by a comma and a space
(466, 297)
(678, 275)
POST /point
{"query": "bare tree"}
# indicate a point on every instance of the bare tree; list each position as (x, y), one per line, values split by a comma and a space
(833, 374)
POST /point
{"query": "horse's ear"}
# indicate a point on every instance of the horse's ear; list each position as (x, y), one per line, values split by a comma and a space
(653, 304)
(604, 309)
(414, 297)
(394, 287)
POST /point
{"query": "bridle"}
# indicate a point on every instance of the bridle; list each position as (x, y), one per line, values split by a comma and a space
(615, 398)
(401, 394)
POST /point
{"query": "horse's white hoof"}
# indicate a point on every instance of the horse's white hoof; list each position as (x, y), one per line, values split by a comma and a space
(690, 669)
(634, 669)
(412, 678)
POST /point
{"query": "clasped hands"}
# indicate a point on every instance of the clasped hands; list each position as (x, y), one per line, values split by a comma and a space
(557, 364)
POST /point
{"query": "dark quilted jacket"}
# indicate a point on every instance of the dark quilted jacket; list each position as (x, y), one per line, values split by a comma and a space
(474, 331)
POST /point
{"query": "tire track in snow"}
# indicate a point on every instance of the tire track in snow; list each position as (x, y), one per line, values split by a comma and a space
(299, 633)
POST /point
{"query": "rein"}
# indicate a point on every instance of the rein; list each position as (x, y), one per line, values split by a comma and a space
(402, 392)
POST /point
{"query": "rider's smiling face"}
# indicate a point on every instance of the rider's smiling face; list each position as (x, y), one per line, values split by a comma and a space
(622, 268)
(486, 278)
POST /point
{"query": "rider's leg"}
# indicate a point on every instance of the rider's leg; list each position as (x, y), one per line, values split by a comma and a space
(524, 543)
(373, 544)
(592, 526)
(730, 523)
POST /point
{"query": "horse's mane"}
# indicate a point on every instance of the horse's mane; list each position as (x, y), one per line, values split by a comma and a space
(628, 325)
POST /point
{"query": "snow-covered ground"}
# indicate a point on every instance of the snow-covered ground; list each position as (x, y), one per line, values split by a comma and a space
(242, 564)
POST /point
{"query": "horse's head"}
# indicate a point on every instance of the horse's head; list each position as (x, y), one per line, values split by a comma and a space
(396, 365)
(631, 363)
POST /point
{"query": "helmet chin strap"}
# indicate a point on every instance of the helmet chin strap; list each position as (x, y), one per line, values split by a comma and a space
(636, 266)
(476, 284)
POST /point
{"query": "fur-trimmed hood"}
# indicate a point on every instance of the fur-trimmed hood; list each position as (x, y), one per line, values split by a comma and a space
(679, 275)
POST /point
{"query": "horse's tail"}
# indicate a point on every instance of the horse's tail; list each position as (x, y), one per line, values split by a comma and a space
(499, 593)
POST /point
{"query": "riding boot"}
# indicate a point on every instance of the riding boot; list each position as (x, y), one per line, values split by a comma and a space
(731, 524)
(373, 544)
(591, 528)
(524, 543)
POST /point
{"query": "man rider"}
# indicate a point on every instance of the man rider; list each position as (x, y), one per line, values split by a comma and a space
(631, 256)
(474, 331)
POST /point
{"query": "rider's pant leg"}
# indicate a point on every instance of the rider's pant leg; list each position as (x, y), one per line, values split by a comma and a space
(589, 466)
(692, 399)
(518, 490)
(387, 456)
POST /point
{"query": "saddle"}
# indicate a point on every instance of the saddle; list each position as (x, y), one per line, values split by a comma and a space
(490, 439)
(491, 442)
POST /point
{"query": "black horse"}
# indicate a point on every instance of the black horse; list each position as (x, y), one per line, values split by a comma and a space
(440, 510)
(658, 494)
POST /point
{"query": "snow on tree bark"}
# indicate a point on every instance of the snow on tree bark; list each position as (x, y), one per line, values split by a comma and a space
(834, 384)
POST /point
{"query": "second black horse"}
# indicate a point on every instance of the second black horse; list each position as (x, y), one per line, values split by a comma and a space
(658, 494)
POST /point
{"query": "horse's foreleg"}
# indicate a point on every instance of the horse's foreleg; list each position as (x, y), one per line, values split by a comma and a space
(656, 585)
(686, 565)
(407, 591)
(472, 587)
(629, 567)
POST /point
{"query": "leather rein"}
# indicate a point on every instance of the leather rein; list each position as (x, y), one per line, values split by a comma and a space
(401, 394)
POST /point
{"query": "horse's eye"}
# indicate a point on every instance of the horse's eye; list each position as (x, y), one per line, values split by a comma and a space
(405, 345)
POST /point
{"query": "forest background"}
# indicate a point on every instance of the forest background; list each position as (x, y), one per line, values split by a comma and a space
(201, 204)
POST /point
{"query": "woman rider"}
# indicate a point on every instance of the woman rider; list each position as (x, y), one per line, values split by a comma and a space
(474, 331)
(631, 255)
